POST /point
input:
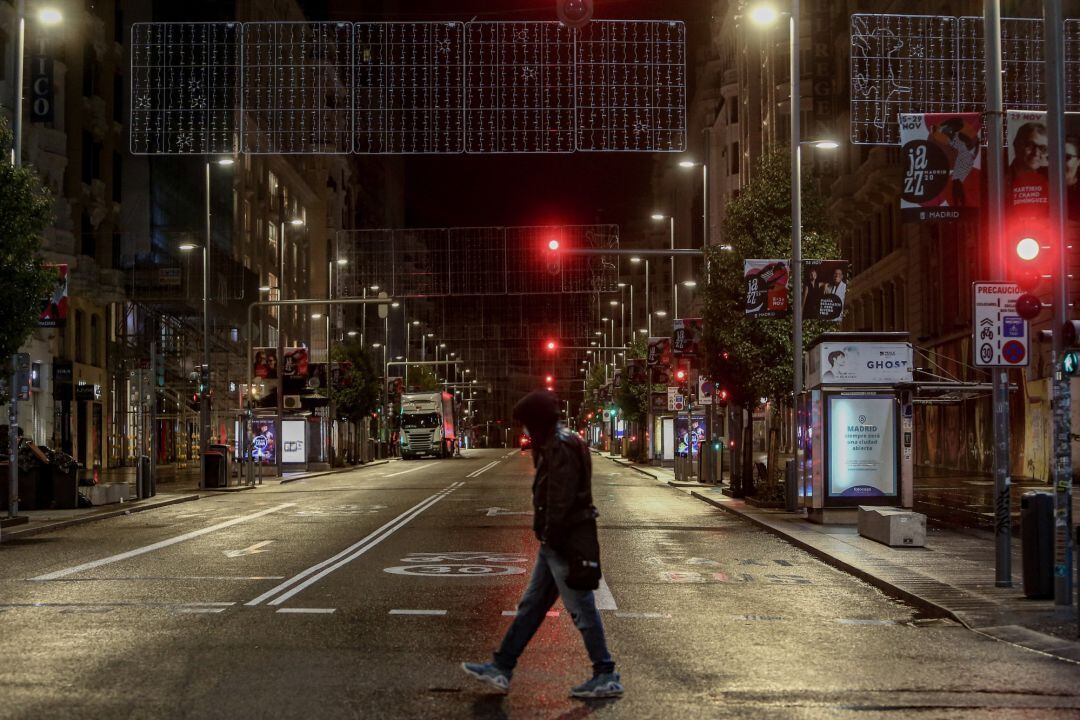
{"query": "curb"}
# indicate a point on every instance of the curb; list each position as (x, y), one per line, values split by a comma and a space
(1032, 640)
(60, 524)
(335, 471)
(836, 562)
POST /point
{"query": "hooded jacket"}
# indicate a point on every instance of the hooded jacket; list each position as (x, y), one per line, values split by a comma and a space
(562, 488)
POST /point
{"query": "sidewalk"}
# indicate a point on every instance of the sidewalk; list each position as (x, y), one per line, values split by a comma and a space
(953, 575)
(171, 493)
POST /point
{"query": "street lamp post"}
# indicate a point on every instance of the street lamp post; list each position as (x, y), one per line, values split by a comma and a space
(648, 310)
(674, 283)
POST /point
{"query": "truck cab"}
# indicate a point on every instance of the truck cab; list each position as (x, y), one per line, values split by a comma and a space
(427, 425)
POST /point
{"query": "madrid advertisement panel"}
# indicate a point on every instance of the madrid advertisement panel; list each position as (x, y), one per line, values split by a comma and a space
(863, 442)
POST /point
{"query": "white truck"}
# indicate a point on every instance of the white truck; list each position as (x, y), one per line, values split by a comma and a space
(427, 425)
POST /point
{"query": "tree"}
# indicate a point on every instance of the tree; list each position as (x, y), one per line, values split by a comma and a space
(358, 390)
(633, 397)
(422, 379)
(25, 211)
(752, 357)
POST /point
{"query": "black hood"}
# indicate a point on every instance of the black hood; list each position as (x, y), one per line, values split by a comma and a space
(539, 413)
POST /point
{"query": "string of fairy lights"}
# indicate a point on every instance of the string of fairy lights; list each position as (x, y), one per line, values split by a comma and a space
(925, 63)
(401, 88)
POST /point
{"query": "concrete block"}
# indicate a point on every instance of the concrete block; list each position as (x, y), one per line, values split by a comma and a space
(107, 493)
(895, 527)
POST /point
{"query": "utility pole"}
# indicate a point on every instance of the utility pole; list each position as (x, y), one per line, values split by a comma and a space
(1054, 49)
(996, 241)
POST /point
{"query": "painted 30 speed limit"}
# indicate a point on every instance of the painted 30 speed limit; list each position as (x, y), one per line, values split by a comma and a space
(1000, 334)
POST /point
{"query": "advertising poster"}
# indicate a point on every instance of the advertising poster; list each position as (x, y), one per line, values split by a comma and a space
(1027, 179)
(263, 442)
(859, 363)
(54, 309)
(293, 437)
(689, 434)
(824, 289)
(265, 365)
(658, 402)
(766, 287)
(659, 351)
(295, 362)
(862, 446)
(686, 336)
(635, 371)
(942, 166)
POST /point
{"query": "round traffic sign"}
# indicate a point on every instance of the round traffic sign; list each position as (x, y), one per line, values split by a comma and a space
(1013, 352)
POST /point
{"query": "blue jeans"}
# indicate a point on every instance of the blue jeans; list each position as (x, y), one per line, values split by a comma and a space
(548, 583)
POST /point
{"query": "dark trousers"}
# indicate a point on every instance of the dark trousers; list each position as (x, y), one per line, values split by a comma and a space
(548, 582)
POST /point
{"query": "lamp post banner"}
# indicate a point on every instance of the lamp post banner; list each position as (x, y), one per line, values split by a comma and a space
(1027, 173)
(942, 166)
(824, 289)
(686, 336)
(766, 287)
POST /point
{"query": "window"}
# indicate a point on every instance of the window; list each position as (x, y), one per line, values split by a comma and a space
(271, 184)
(117, 176)
(118, 97)
(733, 110)
(79, 338)
(89, 76)
(87, 242)
(95, 340)
(733, 159)
(91, 158)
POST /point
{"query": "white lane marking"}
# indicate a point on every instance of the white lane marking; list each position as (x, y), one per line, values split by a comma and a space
(173, 577)
(259, 547)
(650, 615)
(484, 469)
(863, 621)
(307, 611)
(399, 611)
(324, 568)
(158, 545)
(193, 610)
(412, 469)
(493, 511)
(604, 599)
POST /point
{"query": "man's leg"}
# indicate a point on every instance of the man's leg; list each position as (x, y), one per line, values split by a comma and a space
(582, 608)
(531, 611)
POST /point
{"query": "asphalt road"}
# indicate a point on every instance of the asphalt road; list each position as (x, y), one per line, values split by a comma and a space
(358, 595)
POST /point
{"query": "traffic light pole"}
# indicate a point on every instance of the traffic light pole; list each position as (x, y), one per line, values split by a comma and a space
(996, 240)
(1055, 131)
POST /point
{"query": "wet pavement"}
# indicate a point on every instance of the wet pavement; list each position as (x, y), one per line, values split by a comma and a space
(358, 594)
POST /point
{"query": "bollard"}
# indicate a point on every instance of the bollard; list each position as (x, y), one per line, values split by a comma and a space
(791, 487)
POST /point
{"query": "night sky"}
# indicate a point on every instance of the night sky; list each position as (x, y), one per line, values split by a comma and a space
(477, 190)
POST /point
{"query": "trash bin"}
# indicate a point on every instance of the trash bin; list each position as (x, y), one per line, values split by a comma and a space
(1037, 541)
(142, 475)
(214, 469)
(226, 454)
(791, 487)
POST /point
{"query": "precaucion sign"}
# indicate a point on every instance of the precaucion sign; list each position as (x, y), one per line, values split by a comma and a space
(1001, 336)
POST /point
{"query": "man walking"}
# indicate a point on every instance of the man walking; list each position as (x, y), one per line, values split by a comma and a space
(568, 564)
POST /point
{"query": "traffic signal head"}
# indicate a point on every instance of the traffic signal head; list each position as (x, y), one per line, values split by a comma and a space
(574, 13)
(1028, 248)
(549, 379)
(1070, 333)
(553, 245)
(551, 346)
(680, 375)
(722, 398)
(1070, 363)
(1028, 306)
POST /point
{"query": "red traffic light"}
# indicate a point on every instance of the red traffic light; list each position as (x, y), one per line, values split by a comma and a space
(553, 245)
(551, 345)
(722, 398)
(549, 379)
(680, 375)
(1028, 248)
(1028, 306)
(574, 13)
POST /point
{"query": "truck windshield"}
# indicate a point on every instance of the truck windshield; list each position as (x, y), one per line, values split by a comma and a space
(420, 420)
